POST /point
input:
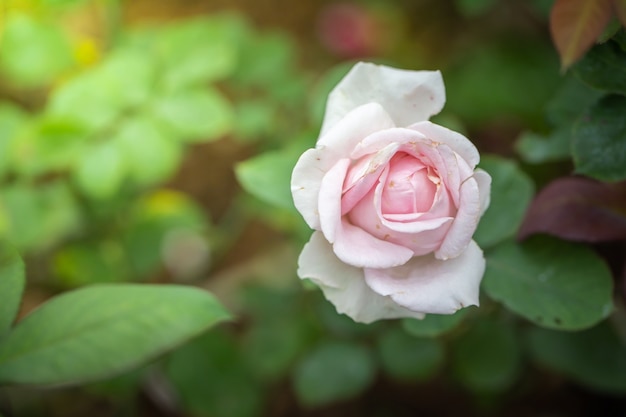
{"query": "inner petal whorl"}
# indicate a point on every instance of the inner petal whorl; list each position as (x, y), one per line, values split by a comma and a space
(410, 186)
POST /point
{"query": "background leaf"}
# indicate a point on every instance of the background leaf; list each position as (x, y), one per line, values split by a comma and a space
(12, 282)
(578, 209)
(333, 371)
(487, 357)
(604, 68)
(99, 331)
(409, 358)
(576, 24)
(594, 357)
(434, 325)
(552, 283)
(599, 148)
(511, 192)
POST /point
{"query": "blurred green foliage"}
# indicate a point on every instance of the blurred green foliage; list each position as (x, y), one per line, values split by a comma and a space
(95, 134)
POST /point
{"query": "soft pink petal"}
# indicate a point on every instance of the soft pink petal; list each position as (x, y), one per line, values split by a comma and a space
(306, 180)
(352, 244)
(378, 140)
(329, 203)
(420, 237)
(484, 188)
(368, 174)
(345, 286)
(355, 125)
(359, 248)
(408, 96)
(464, 224)
(428, 285)
(459, 143)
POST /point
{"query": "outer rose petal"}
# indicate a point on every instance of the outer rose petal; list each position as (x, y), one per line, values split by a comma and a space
(345, 286)
(464, 224)
(484, 189)
(428, 285)
(336, 144)
(457, 142)
(408, 96)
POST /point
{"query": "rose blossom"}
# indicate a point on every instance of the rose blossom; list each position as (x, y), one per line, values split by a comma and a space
(394, 200)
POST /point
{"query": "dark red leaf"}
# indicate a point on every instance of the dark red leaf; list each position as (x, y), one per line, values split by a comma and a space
(578, 209)
(576, 24)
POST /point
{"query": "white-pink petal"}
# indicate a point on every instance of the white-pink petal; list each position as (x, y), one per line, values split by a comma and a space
(456, 141)
(344, 285)
(484, 188)
(464, 225)
(408, 96)
(429, 285)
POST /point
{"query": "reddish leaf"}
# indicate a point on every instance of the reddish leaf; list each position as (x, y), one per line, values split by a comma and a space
(576, 24)
(620, 10)
(578, 209)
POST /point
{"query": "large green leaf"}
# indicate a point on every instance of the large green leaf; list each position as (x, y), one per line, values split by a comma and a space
(550, 282)
(595, 357)
(11, 285)
(599, 145)
(99, 331)
(511, 192)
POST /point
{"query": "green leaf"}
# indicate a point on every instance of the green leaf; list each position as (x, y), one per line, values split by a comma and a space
(333, 371)
(95, 99)
(409, 358)
(474, 8)
(604, 68)
(268, 176)
(33, 53)
(197, 51)
(12, 120)
(553, 283)
(12, 282)
(434, 325)
(488, 357)
(599, 145)
(151, 156)
(212, 380)
(196, 115)
(100, 172)
(22, 213)
(595, 357)
(87, 263)
(273, 344)
(570, 101)
(538, 149)
(99, 331)
(511, 192)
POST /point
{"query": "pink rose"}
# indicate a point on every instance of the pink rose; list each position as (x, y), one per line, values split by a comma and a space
(394, 200)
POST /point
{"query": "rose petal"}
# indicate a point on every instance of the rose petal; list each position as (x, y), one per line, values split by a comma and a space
(408, 96)
(378, 140)
(356, 124)
(329, 202)
(429, 285)
(457, 142)
(464, 224)
(306, 180)
(352, 244)
(345, 286)
(484, 188)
